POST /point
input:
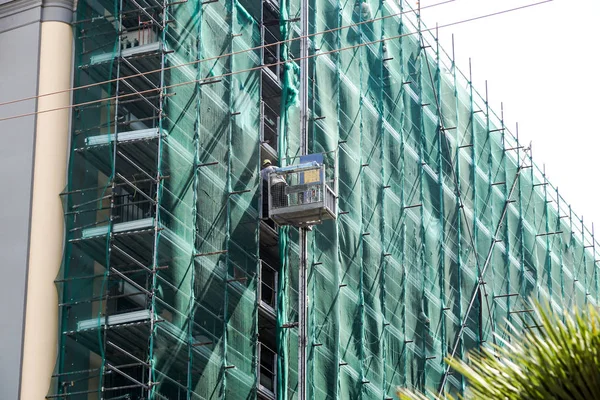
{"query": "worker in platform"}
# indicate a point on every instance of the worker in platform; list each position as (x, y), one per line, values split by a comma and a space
(278, 184)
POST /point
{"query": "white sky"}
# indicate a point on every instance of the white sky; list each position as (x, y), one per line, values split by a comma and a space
(542, 63)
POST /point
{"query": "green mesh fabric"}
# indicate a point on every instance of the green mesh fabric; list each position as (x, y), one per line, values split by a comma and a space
(425, 173)
(445, 229)
(163, 299)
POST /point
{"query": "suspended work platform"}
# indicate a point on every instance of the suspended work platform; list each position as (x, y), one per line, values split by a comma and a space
(301, 195)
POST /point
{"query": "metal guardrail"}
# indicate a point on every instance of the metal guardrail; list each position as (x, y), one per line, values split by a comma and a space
(300, 195)
(268, 285)
(128, 208)
(269, 125)
(267, 368)
(295, 188)
(271, 54)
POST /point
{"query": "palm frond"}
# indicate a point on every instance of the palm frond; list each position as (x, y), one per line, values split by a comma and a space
(560, 360)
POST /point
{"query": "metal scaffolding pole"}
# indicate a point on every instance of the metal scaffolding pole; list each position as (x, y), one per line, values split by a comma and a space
(302, 303)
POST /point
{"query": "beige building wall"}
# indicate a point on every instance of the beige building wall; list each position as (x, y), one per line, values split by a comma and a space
(47, 231)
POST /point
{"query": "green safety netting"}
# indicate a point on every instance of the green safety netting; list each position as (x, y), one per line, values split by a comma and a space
(420, 158)
(445, 228)
(159, 283)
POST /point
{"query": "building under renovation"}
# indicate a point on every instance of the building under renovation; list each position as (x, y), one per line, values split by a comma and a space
(405, 223)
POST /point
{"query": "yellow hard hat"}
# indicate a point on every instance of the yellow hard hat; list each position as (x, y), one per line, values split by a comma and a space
(266, 161)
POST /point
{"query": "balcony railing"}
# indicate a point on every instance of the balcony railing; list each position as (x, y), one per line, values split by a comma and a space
(271, 54)
(268, 285)
(267, 369)
(269, 126)
(132, 207)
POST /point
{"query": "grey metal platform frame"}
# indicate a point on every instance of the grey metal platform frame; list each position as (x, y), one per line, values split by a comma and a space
(310, 200)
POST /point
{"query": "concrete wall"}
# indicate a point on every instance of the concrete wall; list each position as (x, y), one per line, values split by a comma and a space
(19, 49)
(20, 37)
(46, 241)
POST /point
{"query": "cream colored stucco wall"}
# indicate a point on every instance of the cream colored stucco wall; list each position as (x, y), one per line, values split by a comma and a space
(47, 231)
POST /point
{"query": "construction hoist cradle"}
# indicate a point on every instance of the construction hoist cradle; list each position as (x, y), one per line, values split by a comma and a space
(302, 194)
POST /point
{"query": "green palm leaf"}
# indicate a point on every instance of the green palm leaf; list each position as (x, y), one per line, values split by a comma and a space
(558, 360)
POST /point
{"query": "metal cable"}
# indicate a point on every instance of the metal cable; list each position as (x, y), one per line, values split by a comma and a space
(214, 78)
(220, 56)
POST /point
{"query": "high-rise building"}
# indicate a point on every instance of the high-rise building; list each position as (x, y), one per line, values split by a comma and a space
(410, 223)
(36, 39)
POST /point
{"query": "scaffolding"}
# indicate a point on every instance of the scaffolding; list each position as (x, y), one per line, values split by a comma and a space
(175, 284)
